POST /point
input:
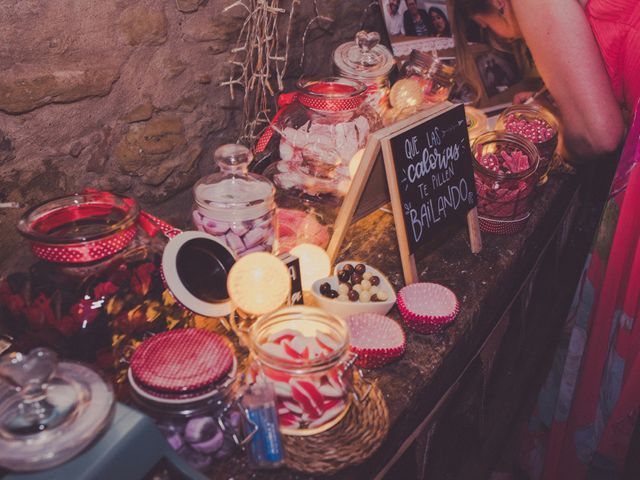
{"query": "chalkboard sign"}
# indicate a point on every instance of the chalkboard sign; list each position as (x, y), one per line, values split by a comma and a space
(426, 160)
(434, 174)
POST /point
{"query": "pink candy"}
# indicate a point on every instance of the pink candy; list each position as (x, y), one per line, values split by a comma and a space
(296, 227)
(508, 197)
(515, 162)
(304, 401)
(536, 130)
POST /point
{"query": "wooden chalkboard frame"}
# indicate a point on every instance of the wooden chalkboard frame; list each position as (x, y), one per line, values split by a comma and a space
(362, 186)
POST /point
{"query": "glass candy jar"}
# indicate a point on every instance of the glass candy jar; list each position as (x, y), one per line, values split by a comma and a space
(95, 288)
(185, 380)
(50, 411)
(505, 169)
(537, 124)
(369, 62)
(322, 138)
(425, 80)
(235, 206)
(304, 352)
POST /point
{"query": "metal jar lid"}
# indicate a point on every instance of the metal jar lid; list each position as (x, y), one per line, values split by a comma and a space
(364, 59)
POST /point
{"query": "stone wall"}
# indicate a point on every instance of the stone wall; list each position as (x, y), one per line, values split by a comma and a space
(125, 95)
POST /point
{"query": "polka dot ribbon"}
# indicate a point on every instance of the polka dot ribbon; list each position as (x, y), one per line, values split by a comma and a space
(502, 228)
(94, 250)
(316, 97)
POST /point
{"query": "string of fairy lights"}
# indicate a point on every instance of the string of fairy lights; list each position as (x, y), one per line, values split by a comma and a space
(261, 57)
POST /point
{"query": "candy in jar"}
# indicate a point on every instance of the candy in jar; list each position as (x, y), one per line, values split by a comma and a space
(505, 175)
(235, 206)
(304, 352)
(323, 133)
(537, 124)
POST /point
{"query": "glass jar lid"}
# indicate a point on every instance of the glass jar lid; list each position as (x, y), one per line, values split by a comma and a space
(54, 412)
(186, 360)
(234, 194)
(431, 67)
(364, 58)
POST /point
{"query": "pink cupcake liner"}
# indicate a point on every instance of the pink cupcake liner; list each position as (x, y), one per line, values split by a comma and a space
(427, 307)
(376, 339)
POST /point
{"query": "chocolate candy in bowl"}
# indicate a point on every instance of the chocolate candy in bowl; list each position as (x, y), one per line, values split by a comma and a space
(348, 292)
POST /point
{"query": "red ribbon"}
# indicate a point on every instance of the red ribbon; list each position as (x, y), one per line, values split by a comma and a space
(317, 97)
(94, 250)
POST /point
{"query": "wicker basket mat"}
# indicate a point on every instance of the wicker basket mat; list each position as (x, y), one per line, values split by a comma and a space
(348, 443)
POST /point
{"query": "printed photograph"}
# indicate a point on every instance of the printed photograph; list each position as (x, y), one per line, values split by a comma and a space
(498, 71)
(417, 24)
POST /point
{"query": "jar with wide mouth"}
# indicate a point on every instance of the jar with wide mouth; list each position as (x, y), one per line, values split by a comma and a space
(505, 169)
(366, 60)
(235, 206)
(95, 286)
(323, 133)
(424, 80)
(304, 352)
(186, 381)
(536, 124)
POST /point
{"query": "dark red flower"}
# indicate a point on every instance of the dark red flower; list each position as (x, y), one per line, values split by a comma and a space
(82, 312)
(68, 326)
(104, 289)
(40, 312)
(14, 303)
(141, 278)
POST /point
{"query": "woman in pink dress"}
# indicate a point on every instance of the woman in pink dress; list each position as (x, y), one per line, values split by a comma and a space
(588, 54)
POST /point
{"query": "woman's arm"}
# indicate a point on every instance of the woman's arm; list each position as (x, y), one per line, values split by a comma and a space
(568, 58)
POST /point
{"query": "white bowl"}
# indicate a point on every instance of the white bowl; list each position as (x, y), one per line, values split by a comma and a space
(345, 309)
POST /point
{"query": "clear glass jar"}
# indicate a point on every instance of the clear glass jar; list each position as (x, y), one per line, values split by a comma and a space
(50, 411)
(322, 138)
(235, 206)
(537, 124)
(505, 169)
(369, 62)
(424, 81)
(199, 418)
(304, 351)
(95, 288)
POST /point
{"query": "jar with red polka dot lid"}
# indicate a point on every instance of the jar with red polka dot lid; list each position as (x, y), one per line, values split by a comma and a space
(323, 129)
(94, 289)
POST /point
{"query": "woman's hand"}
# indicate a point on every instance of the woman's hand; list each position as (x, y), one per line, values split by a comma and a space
(522, 97)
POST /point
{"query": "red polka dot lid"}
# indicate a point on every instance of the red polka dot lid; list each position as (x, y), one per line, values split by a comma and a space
(181, 360)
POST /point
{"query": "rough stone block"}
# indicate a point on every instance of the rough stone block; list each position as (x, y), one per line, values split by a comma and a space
(142, 26)
(145, 144)
(23, 89)
(188, 6)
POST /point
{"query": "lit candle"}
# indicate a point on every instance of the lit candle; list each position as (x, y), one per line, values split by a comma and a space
(314, 263)
(406, 93)
(259, 283)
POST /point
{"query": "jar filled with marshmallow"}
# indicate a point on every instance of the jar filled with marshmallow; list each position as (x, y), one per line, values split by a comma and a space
(369, 62)
(323, 133)
(236, 207)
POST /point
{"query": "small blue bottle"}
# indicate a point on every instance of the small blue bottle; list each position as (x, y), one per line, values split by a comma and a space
(265, 448)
